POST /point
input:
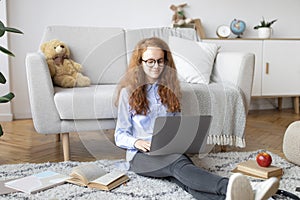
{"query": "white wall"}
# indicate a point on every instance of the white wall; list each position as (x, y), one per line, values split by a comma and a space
(6, 111)
(31, 16)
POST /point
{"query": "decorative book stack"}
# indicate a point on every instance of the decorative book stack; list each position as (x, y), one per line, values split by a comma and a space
(251, 168)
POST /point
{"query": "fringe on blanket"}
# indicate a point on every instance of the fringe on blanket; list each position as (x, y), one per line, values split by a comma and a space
(226, 140)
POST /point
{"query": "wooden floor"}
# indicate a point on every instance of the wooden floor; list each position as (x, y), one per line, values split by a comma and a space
(264, 130)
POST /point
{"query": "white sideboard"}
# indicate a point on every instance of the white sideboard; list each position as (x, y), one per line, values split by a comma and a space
(277, 65)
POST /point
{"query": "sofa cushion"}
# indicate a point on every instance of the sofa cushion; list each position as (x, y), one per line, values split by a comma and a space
(100, 50)
(94, 102)
(133, 36)
(194, 60)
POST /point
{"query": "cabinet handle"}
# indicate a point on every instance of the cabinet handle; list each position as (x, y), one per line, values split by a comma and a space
(267, 68)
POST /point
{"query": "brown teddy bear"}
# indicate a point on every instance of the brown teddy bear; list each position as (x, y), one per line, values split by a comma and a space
(63, 70)
(179, 17)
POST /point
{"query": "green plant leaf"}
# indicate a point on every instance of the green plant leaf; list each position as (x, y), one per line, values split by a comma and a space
(1, 131)
(6, 51)
(7, 98)
(13, 30)
(272, 22)
(8, 29)
(2, 79)
(265, 23)
(2, 29)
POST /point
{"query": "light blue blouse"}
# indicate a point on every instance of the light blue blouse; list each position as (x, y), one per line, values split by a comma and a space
(131, 127)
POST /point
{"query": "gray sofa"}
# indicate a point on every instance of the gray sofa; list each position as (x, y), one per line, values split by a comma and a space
(104, 54)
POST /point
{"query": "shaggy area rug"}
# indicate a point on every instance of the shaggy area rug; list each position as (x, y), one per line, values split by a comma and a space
(141, 187)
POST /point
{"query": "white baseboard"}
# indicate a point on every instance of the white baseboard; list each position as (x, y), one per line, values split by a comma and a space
(22, 116)
(6, 117)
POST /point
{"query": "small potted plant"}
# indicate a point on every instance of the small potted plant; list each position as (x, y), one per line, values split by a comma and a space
(264, 28)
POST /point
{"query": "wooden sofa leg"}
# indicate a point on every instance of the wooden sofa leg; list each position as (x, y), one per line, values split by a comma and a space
(58, 137)
(66, 146)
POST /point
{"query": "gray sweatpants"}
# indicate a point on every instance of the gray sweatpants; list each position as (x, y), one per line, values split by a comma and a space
(181, 170)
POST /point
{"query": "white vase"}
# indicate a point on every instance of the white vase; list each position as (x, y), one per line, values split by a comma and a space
(264, 32)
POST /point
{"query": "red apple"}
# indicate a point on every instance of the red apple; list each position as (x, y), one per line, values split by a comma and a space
(263, 159)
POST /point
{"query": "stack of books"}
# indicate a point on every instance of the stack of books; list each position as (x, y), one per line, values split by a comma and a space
(251, 168)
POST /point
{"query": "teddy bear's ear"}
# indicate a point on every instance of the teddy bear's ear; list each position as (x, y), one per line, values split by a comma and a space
(43, 46)
(173, 7)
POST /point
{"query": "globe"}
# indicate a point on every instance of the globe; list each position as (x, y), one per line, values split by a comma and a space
(237, 27)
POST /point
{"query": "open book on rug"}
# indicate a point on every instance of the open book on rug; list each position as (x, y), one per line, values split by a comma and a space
(93, 176)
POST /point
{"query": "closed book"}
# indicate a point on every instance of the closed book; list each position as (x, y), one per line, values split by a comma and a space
(251, 168)
(4, 189)
(37, 182)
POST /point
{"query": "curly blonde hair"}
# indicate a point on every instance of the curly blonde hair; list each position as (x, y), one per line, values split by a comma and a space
(135, 79)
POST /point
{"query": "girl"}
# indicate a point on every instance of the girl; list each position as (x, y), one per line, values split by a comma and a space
(149, 89)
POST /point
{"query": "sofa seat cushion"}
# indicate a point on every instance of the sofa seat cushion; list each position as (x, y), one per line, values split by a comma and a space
(224, 101)
(94, 102)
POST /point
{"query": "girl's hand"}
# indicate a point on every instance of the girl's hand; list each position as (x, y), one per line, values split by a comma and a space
(142, 145)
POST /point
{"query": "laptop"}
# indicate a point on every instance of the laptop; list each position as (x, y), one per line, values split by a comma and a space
(180, 134)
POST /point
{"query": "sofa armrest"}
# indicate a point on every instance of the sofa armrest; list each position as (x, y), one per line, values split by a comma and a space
(41, 95)
(236, 68)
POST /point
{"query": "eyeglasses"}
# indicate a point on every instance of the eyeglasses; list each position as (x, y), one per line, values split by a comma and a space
(151, 62)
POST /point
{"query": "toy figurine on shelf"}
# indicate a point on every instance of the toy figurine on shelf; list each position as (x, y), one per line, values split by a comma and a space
(179, 19)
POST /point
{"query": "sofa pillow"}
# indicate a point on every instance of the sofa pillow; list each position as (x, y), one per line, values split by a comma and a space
(194, 60)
